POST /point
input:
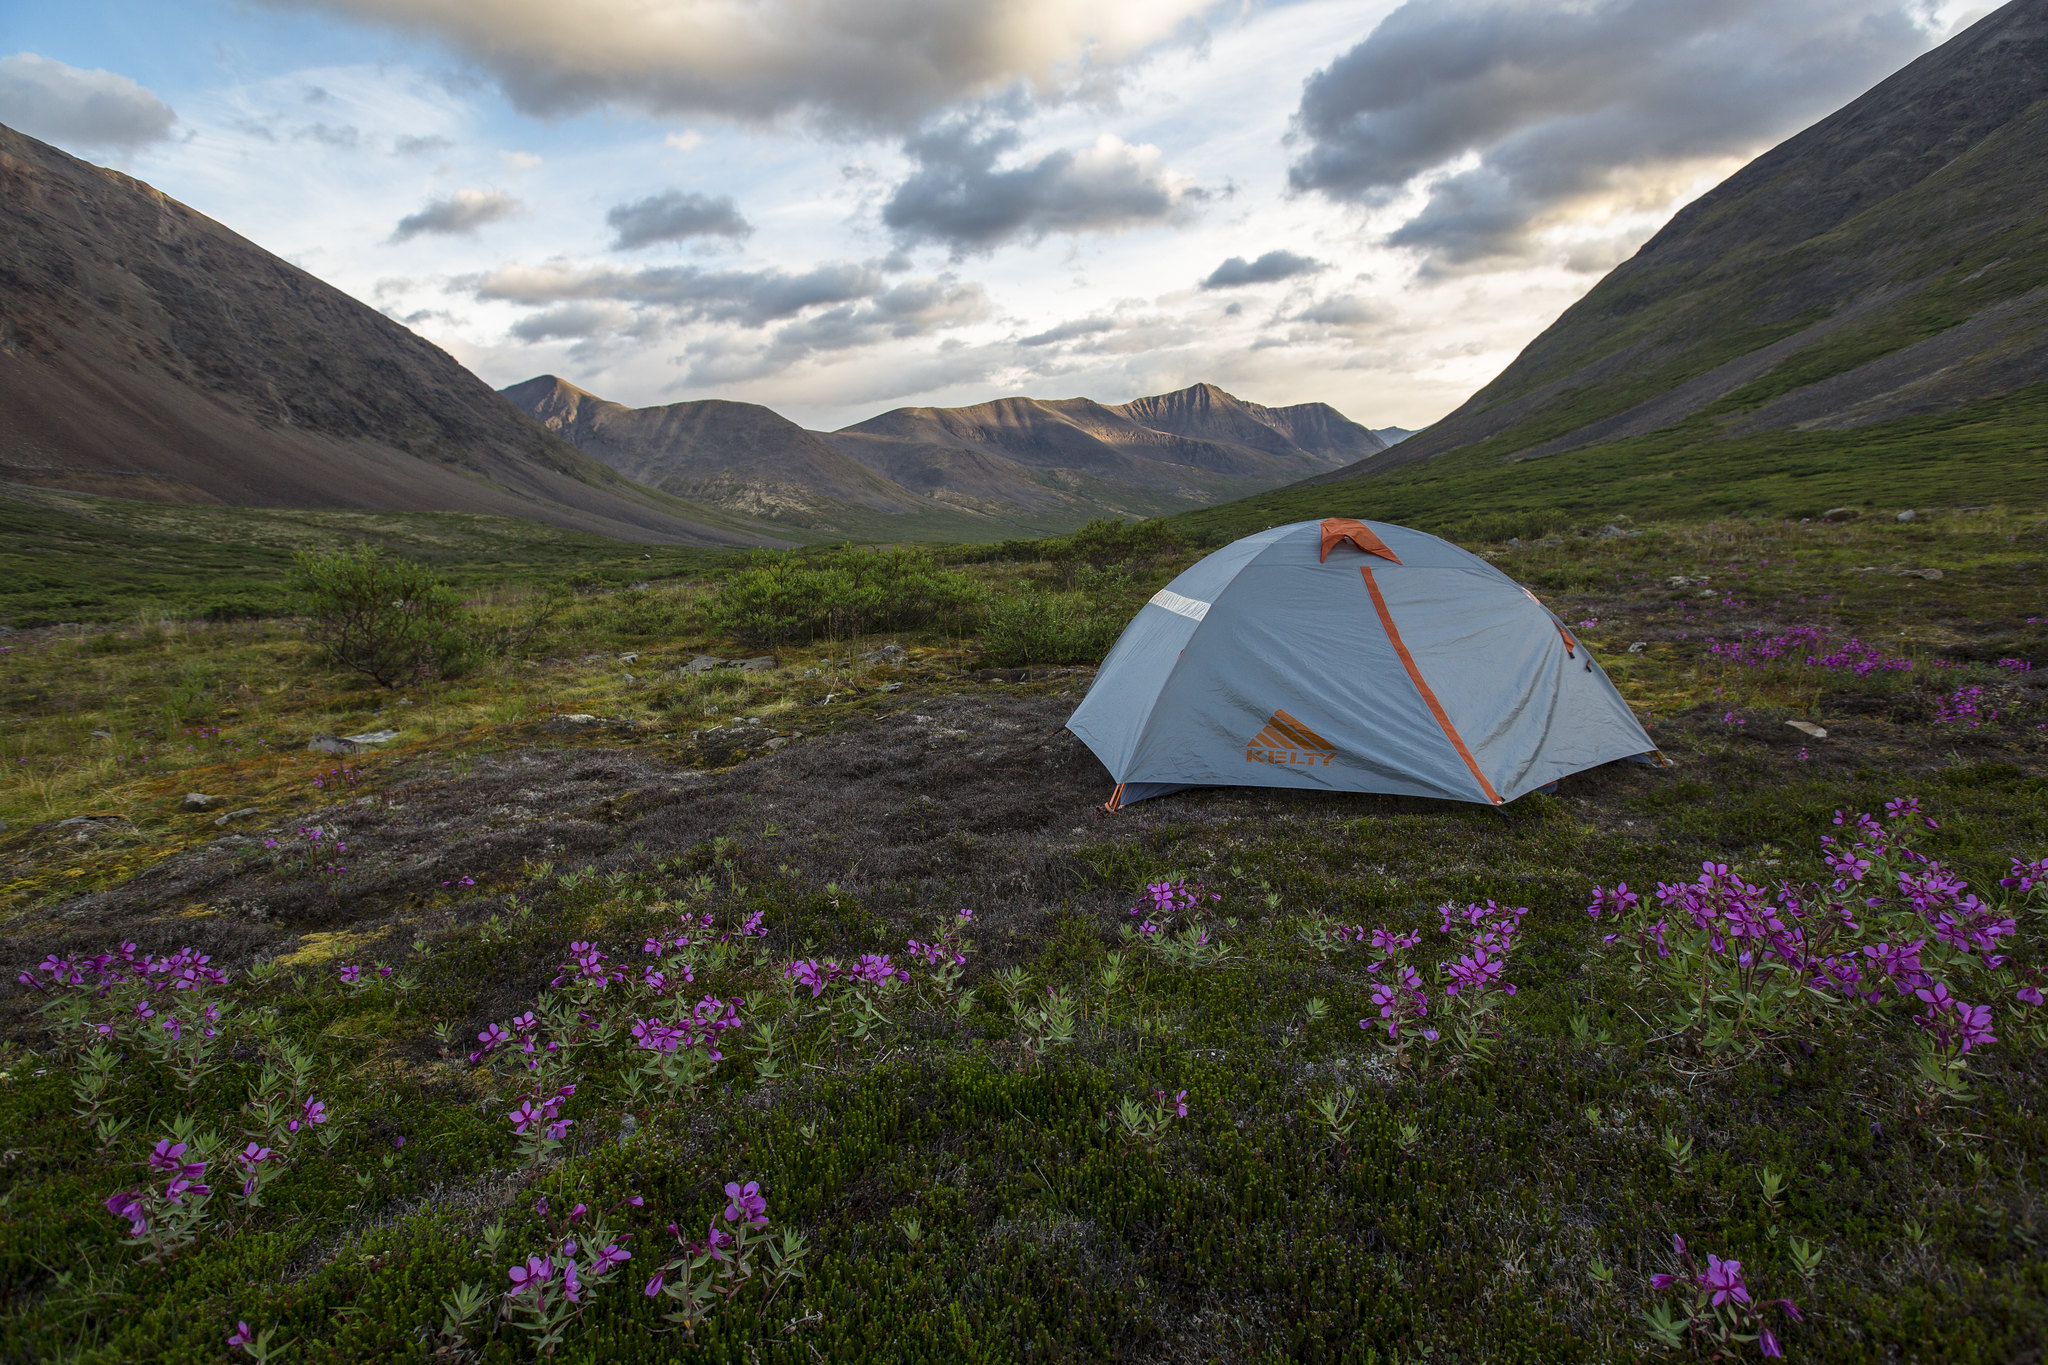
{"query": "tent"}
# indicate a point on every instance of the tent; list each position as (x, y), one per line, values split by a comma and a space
(1346, 655)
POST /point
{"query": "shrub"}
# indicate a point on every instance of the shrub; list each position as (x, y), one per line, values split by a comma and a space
(387, 618)
(779, 597)
(1048, 628)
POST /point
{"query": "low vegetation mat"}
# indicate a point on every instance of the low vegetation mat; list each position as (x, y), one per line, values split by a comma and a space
(623, 990)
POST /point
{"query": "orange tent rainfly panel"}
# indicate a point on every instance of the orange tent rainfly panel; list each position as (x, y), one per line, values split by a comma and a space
(1337, 530)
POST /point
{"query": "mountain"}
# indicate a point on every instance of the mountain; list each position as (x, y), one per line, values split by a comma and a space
(1889, 263)
(1393, 436)
(146, 351)
(738, 455)
(996, 468)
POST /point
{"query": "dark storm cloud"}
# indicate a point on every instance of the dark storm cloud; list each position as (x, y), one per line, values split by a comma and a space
(1267, 269)
(1563, 103)
(674, 216)
(74, 108)
(960, 198)
(459, 214)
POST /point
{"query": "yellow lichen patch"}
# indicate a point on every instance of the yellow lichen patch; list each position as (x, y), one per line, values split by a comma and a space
(325, 947)
(197, 912)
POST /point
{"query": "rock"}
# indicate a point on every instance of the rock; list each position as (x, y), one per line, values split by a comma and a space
(93, 820)
(1639, 646)
(1906, 515)
(704, 663)
(103, 734)
(629, 658)
(629, 677)
(198, 801)
(579, 718)
(1840, 514)
(641, 586)
(1514, 543)
(1808, 728)
(758, 665)
(1931, 575)
(890, 687)
(887, 654)
(6, 630)
(1612, 532)
(810, 673)
(329, 744)
(777, 742)
(371, 737)
(242, 814)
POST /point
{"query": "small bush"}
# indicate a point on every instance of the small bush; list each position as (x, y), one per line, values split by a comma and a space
(389, 619)
(780, 597)
(1048, 628)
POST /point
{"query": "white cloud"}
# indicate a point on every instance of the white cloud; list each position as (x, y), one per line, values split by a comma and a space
(877, 63)
(77, 109)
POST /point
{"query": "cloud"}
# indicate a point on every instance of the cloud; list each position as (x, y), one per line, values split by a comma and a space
(1268, 269)
(75, 108)
(1068, 331)
(408, 145)
(675, 216)
(461, 213)
(1346, 310)
(1513, 116)
(959, 198)
(876, 63)
(573, 321)
(751, 298)
(344, 136)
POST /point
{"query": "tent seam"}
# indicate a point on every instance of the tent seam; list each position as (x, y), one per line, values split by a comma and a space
(1422, 686)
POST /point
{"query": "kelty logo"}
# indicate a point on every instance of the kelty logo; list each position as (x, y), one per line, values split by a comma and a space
(1287, 740)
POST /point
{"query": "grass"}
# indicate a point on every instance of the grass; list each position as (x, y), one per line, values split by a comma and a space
(967, 1188)
(1993, 452)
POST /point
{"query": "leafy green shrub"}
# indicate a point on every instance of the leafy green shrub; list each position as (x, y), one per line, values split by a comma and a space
(780, 597)
(1048, 628)
(389, 619)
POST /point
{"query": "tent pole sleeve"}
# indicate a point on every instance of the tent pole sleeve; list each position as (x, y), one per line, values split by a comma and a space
(1436, 708)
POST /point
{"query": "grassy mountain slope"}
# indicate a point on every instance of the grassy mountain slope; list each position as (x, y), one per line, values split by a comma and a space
(1859, 316)
(146, 351)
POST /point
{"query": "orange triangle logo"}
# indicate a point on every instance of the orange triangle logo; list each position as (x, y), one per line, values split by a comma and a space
(1286, 741)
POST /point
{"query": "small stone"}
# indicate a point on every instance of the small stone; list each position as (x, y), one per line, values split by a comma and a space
(777, 742)
(198, 801)
(704, 663)
(1840, 514)
(629, 677)
(1514, 543)
(628, 658)
(372, 737)
(758, 665)
(1906, 515)
(242, 814)
(1639, 646)
(890, 687)
(1931, 575)
(1808, 728)
(810, 673)
(329, 744)
(628, 1125)
(579, 718)
(103, 734)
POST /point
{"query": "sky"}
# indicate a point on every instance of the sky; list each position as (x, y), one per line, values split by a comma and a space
(838, 207)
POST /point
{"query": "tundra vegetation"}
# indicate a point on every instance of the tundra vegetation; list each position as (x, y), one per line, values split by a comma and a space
(631, 1006)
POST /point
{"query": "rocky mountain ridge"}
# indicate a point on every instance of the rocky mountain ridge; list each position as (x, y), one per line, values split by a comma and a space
(1042, 462)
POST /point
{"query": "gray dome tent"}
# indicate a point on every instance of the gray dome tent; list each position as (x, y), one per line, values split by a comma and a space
(1350, 656)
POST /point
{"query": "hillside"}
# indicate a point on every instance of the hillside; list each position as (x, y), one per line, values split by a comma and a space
(980, 472)
(1864, 299)
(148, 352)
